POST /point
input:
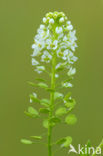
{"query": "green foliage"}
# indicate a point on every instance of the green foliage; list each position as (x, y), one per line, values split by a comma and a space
(27, 142)
(70, 119)
(44, 110)
(58, 95)
(36, 137)
(32, 112)
(42, 85)
(45, 123)
(65, 142)
(61, 111)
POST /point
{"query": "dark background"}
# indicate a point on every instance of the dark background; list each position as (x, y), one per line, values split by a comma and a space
(19, 21)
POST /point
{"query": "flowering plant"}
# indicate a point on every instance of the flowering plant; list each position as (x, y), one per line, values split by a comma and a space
(53, 54)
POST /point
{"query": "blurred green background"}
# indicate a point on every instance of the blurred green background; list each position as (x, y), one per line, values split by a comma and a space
(19, 20)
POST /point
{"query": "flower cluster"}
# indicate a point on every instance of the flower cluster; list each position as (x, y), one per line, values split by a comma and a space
(55, 34)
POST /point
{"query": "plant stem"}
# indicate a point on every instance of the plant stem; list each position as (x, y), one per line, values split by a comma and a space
(51, 105)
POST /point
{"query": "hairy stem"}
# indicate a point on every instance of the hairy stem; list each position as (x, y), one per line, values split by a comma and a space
(51, 105)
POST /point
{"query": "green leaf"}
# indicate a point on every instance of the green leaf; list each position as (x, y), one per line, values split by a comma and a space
(67, 96)
(45, 123)
(27, 142)
(70, 103)
(40, 79)
(61, 111)
(61, 141)
(45, 102)
(44, 110)
(67, 142)
(42, 85)
(64, 142)
(32, 112)
(55, 120)
(34, 99)
(32, 84)
(36, 137)
(58, 95)
(71, 119)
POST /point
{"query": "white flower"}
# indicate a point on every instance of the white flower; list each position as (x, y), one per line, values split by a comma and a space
(68, 22)
(55, 44)
(35, 95)
(70, 27)
(58, 65)
(67, 84)
(34, 62)
(51, 21)
(42, 26)
(46, 57)
(44, 20)
(56, 75)
(59, 30)
(40, 69)
(61, 20)
(65, 54)
(71, 72)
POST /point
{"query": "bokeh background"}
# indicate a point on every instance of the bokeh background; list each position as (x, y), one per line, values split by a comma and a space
(19, 20)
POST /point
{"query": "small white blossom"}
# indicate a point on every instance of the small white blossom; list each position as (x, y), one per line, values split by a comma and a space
(70, 27)
(68, 22)
(71, 72)
(42, 26)
(46, 57)
(55, 45)
(44, 20)
(40, 69)
(67, 84)
(35, 95)
(56, 75)
(58, 65)
(61, 20)
(59, 30)
(51, 21)
(34, 62)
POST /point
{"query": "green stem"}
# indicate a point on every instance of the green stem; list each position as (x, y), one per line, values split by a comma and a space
(51, 105)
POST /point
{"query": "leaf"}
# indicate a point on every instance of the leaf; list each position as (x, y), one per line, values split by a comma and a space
(71, 119)
(44, 110)
(58, 95)
(61, 141)
(70, 103)
(64, 142)
(45, 102)
(45, 123)
(55, 120)
(40, 79)
(67, 96)
(34, 99)
(32, 84)
(67, 142)
(27, 142)
(32, 112)
(37, 137)
(61, 111)
(42, 85)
